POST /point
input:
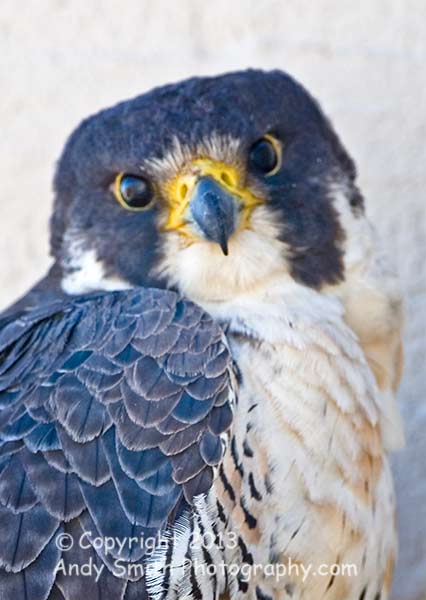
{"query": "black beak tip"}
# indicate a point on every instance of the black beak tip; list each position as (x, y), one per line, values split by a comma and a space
(213, 209)
(224, 245)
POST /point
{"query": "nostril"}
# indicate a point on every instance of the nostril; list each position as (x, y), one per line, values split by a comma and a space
(183, 190)
(226, 178)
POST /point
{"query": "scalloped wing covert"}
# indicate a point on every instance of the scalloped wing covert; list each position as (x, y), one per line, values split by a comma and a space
(113, 410)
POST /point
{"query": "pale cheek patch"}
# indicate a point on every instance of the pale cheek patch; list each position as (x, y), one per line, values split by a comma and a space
(87, 274)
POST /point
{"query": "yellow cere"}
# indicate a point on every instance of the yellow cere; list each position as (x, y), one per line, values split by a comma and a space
(179, 190)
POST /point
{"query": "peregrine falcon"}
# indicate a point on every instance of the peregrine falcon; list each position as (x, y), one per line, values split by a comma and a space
(197, 401)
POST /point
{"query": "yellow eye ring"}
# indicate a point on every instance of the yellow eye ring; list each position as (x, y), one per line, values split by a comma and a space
(265, 155)
(133, 192)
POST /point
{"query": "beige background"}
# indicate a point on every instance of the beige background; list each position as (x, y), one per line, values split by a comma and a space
(365, 61)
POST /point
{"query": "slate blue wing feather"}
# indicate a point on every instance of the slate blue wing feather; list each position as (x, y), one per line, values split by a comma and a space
(108, 425)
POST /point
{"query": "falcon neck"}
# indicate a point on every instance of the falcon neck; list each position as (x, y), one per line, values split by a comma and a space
(270, 312)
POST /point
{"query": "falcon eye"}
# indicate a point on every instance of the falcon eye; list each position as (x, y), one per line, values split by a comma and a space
(133, 192)
(265, 155)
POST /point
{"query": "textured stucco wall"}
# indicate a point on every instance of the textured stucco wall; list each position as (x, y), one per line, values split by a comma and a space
(365, 61)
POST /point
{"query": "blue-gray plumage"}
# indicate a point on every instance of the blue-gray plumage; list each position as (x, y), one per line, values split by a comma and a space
(117, 391)
(105, 424)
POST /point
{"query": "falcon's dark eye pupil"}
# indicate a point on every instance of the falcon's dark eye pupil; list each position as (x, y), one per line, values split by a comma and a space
(135, 192)
(263, 156)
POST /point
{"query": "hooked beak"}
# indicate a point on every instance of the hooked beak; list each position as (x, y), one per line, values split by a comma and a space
(214, 211)
(208, 201)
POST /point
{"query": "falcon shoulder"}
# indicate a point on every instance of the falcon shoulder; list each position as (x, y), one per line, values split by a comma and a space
(114, 410)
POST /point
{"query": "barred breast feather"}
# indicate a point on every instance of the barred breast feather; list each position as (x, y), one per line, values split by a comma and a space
(120, 418)
(305, 480)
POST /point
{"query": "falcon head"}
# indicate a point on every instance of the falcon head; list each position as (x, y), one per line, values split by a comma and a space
(212, 185)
